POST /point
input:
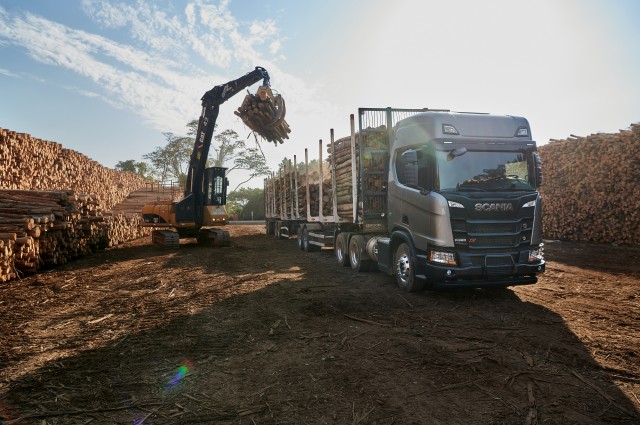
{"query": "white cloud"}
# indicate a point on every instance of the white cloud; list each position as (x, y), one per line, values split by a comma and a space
(162, 72)
(155, 79)
(8, 73)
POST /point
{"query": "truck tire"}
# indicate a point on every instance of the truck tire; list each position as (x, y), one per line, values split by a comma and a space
(276, 231)
(405, 270)
(299, 241)
(358, 256)
(342, 249)
(306, 246)
(270, 227)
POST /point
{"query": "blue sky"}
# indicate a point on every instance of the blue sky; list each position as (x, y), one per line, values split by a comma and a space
(108, 77)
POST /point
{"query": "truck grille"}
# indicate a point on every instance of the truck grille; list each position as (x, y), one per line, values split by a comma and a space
(491, 234)
(493, 241)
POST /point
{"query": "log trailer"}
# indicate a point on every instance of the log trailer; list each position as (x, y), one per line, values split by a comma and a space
(205, 190)
(437, 198)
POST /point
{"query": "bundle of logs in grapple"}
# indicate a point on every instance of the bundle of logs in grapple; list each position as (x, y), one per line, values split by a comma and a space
(264, 114)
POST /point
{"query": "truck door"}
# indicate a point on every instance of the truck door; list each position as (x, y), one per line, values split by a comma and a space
(408, 194)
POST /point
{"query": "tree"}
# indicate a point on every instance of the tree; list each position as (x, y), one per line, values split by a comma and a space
(131, 166)
(251, 200)
(300, 165)
(171, 161)
(126, 166)
(229, 150)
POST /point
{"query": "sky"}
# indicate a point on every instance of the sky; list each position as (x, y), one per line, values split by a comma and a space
(108, 77)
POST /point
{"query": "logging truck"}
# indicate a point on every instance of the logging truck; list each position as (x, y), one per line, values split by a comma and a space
(433, 197)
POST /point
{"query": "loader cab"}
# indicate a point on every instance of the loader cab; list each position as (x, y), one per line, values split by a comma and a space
(215, 186)
(214, 197)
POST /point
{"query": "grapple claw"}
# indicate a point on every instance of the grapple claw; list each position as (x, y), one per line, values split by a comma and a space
(264, 113)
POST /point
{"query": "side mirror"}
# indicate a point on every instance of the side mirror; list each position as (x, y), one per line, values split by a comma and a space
(456, 152)
(538, 168)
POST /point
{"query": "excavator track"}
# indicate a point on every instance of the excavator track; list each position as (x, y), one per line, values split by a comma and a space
(214, 237)
(165, 238)
(208, 237)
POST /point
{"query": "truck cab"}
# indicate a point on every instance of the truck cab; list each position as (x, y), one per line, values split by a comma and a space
(463, 207)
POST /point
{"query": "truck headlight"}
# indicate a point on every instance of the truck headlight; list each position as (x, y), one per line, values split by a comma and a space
(536, 255)
(442, 257)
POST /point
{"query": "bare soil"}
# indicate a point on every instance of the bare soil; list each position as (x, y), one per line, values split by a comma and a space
(263, 333)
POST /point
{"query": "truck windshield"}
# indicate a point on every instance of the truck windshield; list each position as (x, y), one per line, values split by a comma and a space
(490, 171)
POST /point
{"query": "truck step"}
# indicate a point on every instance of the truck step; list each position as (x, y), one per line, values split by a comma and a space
(321, 236)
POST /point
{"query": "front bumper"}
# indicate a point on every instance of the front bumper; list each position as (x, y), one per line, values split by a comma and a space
(444, 276)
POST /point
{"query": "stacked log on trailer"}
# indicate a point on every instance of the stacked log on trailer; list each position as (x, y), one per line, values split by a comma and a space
(283, 184)
(47, 216)
(374, 139)
(591, 187)
(343, 173)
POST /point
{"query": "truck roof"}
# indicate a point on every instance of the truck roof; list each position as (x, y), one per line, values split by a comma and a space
(446, 124)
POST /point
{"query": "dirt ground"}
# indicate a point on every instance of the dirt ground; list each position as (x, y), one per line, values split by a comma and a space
(262, 333)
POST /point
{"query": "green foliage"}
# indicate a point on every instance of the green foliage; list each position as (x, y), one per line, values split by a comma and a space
(251, 201)
(131, 166)
(128, 166)
(171, 161)
(300, 165)
(232, 152)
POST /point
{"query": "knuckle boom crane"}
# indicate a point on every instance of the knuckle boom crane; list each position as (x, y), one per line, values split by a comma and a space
(205, 192)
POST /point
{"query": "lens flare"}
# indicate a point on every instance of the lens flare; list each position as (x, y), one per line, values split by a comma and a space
(183, 370)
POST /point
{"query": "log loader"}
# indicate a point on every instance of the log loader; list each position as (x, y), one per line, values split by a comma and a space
(205, 192)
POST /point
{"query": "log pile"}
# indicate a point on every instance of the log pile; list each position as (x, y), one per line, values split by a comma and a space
(46, 215)
(28, 163)
(591, 188)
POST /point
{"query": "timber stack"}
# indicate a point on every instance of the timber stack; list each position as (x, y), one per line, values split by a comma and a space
(47, 215)
(265, 116)
(344, 175)
(591, 187)
(373, 139)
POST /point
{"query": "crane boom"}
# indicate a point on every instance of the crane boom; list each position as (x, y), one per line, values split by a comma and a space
(189, 208)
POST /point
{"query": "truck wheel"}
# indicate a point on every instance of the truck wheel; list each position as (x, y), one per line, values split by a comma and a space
(276, 231)
(356, 254)
(341, 250)
(269, 227)
(306, 246)
(405, 270)
(300, 240)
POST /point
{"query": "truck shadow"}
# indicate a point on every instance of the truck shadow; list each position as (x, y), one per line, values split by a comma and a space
(252, 335)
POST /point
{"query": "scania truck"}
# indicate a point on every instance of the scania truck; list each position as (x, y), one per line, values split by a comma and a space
(432, 197)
